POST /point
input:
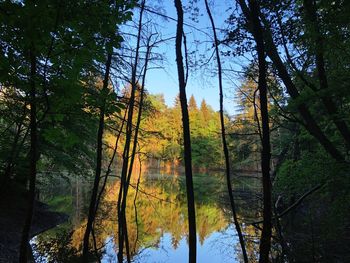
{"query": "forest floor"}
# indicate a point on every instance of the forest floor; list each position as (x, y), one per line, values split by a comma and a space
(12, 216)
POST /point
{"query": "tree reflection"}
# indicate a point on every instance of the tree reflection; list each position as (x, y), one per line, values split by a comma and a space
(161, 208)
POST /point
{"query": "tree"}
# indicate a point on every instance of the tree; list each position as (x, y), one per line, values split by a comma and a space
(223, 137)
(204, 110)
(92, 207)
(192, 104)
(287, 31)
(265, 240)
(186, 135)
(48, 50)
(313, 31)
(309, 121)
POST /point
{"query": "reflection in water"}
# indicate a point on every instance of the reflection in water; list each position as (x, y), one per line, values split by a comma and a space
(160, 232)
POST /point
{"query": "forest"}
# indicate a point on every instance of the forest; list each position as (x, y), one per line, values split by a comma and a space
(174, 131)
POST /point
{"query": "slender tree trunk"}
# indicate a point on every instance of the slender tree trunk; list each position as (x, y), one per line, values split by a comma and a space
(121, 205)
(138, 121)
(134, 147)
(318, 47)
(110, 162)
(224, 143)
(135, 141)
(186, 135)
(309, 122)
(92, 207)
(33, 159)
(99, 196)
(265, 240)
(123, 180)
(135, 206)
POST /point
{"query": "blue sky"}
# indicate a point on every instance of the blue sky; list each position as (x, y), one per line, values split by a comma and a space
(203, 84)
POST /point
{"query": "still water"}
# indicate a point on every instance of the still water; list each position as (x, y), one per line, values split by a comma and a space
(157, 219)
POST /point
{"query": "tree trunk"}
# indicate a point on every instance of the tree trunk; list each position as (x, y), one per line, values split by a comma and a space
(33, 159)
(265, 240)
(121, 205)
(123, 181)
(136, 132)
(92, 207)
(135, 142)
(186, 135)
(224, 143)
(109, 168)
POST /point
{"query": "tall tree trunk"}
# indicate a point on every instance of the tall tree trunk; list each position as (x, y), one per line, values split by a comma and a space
(123, 180)
(318, 47)
(224, 143)
(265, 240)
(139, 115)
(109, 168)
(33, 159)
(135, 141)
(92, 207)
(121, 205)
(271, 50)
(186, 135)
(104, 183)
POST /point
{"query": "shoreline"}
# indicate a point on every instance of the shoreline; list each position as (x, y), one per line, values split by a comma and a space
(12, 214)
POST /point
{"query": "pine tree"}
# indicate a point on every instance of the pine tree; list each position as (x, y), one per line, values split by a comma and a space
(205, 110)
(192, 104)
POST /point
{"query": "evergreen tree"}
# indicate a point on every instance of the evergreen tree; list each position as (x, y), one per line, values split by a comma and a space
(205, 110)
(192, 104)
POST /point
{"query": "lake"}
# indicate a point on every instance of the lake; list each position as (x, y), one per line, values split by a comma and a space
(157, 219)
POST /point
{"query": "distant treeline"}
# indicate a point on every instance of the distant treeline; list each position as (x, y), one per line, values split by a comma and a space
(161, 133)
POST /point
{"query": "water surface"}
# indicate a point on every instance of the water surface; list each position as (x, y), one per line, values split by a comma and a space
(157, 219)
